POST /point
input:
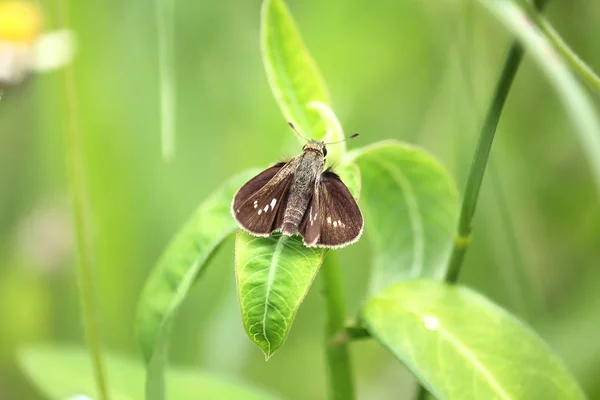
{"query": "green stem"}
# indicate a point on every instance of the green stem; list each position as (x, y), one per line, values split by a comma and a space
(482, 152)
(164, 23)
(155, 370)
(577, 64)
(74, 159)
(341, 385)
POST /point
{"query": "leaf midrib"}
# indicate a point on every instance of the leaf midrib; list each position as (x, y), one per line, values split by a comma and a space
(272, 272)
(461, 348)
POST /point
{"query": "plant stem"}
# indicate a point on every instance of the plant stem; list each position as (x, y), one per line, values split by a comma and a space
(576, 63)
(482, 152)
(74, 159)
(155, 370)
(164, 23)
(341, 385)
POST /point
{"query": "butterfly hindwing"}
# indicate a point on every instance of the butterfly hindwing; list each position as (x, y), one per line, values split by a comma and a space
(257, 203)
(338, 221)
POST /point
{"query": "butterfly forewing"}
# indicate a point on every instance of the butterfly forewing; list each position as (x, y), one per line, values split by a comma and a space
(310, 227)
(257, 204)
(335, 215)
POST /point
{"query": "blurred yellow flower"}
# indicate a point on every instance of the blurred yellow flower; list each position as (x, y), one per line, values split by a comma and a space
(24, 45)
(20, 21)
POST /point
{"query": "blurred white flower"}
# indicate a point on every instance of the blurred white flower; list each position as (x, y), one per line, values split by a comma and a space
(24, 45)
(45, 237)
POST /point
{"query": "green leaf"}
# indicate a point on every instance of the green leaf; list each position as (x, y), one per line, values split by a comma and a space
(462, 346)
(273, 275)
(575, 100)
(64, 372)
(293, 75)
(176, 271)
(411, 211)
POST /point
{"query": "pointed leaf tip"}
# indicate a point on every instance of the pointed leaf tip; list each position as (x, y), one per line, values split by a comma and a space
(273, 275)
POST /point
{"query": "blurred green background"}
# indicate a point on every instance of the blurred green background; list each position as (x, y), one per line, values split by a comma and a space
(418, 71)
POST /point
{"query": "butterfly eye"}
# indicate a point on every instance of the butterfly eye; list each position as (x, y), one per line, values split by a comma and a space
(324, 151)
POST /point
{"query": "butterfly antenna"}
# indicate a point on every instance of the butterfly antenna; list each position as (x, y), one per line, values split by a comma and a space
(297, 133)
(343, 140)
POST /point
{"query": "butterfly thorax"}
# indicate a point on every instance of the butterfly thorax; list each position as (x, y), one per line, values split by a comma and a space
(310, 167)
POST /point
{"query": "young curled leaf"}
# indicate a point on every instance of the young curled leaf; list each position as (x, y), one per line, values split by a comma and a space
(292, 73)
(335, 132)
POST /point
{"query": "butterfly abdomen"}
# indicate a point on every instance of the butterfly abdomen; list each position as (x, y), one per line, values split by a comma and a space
(291, 219)
(300, 194)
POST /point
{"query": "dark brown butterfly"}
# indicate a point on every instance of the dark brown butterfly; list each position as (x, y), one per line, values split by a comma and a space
(299, 197)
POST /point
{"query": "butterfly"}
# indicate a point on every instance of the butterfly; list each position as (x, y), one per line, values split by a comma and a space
(299, 197)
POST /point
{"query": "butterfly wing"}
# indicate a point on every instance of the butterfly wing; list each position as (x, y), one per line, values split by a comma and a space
(256, 205)
(333, 218)
(310, 226)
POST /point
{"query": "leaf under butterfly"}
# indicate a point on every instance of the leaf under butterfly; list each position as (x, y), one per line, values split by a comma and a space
(410, 204)
(462, 346)
(274, 274)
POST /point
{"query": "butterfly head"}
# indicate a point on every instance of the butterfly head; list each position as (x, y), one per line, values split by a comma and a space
(316, 146)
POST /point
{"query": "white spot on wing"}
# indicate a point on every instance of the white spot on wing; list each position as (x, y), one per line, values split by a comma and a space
(259, 212)
(335, 224)
(266, 208)
(255, 203)
(329, 220)
(273, 202)
(431, 323)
